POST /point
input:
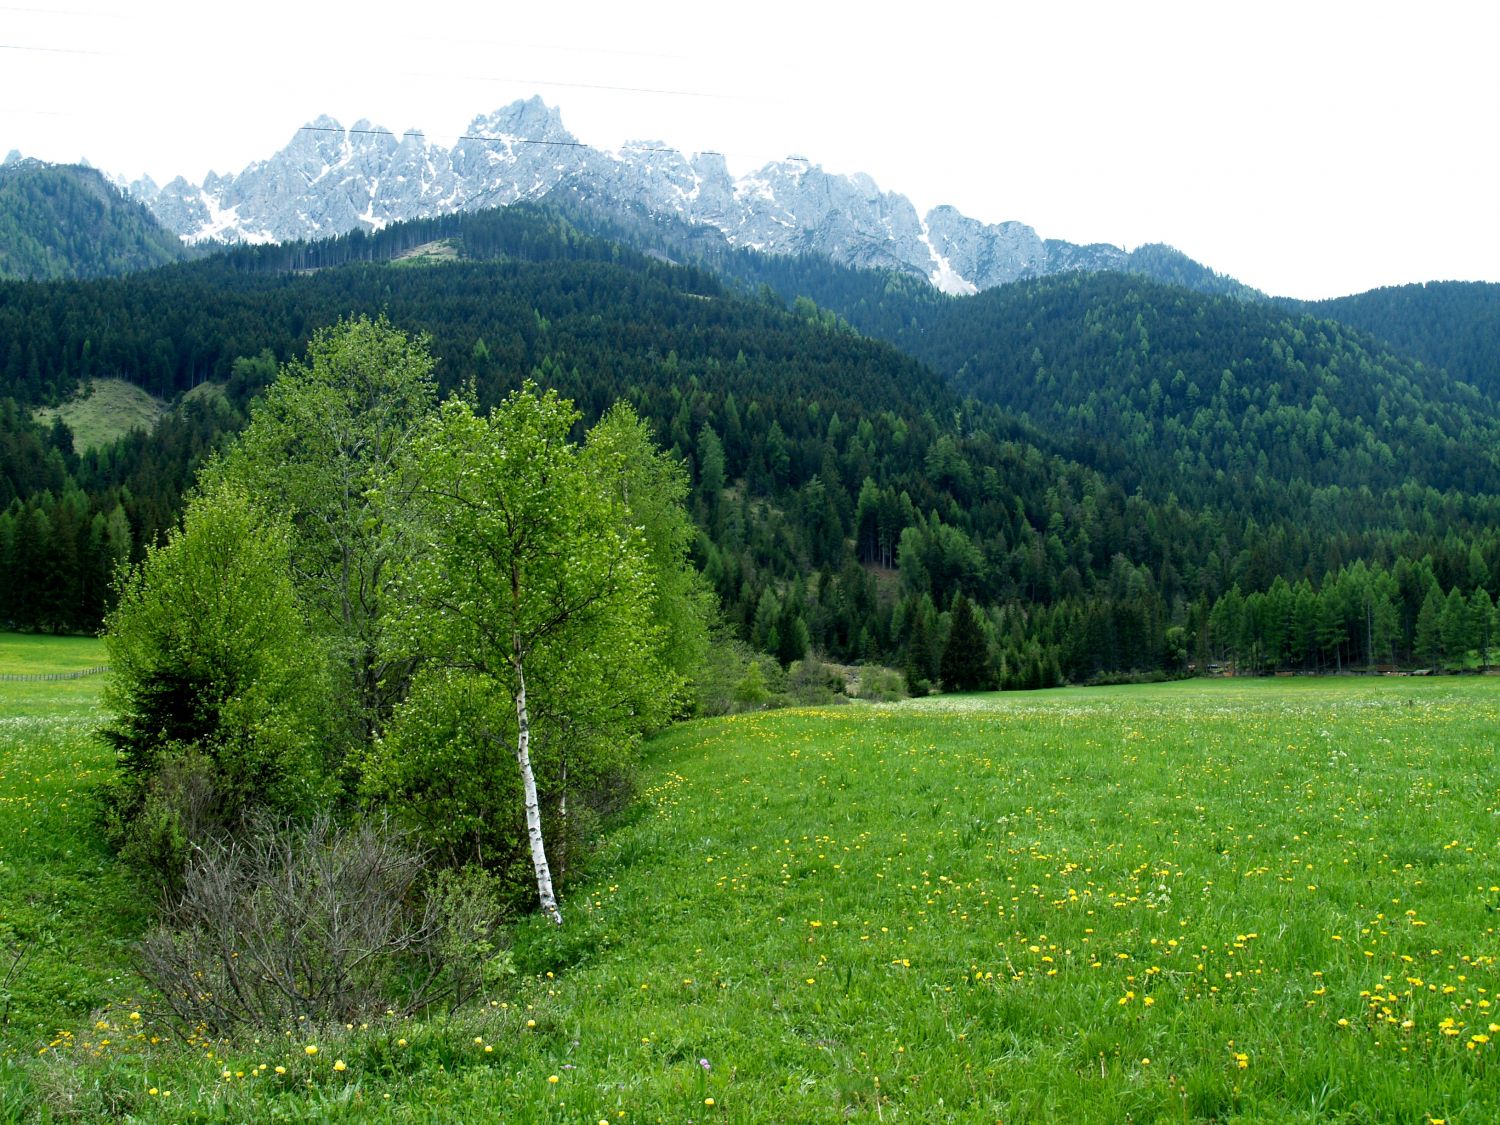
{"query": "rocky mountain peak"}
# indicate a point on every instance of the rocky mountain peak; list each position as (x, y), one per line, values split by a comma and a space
(328, 180)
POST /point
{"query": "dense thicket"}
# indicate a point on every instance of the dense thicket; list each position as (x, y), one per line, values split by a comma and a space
(1095, 464)
(68, 221)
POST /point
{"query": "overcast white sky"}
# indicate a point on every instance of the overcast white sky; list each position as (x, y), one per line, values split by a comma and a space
(1308, 148)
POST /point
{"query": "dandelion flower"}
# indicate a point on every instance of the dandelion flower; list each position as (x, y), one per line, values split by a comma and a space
(338, 1064)
(311, 1048)
(552, 1078)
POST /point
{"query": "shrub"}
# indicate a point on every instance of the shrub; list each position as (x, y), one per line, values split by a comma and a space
(809, 680)
(446, 767)
(880, 685)
(217, 691)
(290, 923)
(178, 809)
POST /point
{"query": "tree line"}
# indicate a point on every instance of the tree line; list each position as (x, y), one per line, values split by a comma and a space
(843, 493)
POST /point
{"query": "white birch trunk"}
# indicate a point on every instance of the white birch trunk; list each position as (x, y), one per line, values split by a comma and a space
(533, 807)
(562, 819)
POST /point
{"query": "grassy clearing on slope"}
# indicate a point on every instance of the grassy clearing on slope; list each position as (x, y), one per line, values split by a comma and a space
(1273, 900)
(104, 411)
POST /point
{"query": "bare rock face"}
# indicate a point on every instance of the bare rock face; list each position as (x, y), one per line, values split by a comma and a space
(329, 180)
(986, 254)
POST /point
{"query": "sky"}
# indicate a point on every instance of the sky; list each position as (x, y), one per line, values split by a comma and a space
(1311, 148)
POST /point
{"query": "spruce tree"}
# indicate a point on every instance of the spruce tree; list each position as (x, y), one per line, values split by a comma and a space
(965, 663)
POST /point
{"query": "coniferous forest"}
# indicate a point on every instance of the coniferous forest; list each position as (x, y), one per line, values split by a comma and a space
(1077, 478)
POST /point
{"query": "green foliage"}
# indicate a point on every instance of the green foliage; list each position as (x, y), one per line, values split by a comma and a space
(1454, 325)
(319, 452)
(446, 767)
(732, 677)
(653, 490)
(1132, 452)
(751, 692)
(531, 599)
(810, 682)
(211, 658)
(880, 685)
(1211, 398)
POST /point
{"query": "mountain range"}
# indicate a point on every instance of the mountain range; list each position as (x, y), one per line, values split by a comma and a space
(330, 180)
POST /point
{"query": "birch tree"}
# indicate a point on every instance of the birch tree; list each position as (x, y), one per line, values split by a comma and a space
(529, 584)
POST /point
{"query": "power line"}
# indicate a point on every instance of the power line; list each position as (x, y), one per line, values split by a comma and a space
(475, 137)
(51, 50)
(572, 47)
(535, 82)
(63, 12)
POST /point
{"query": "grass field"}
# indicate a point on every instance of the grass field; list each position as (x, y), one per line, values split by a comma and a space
(105, 411)
(1210, 901)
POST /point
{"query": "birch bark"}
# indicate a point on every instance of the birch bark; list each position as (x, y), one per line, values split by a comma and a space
(545, 893)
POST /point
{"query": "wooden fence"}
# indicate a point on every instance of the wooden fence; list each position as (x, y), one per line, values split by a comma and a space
(13, 678)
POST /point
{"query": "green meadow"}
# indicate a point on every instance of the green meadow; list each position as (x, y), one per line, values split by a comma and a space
(105, 410)
(1270, 900)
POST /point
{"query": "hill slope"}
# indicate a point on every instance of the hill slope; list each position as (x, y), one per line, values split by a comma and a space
(1193, 390)
(67, 221)
(1454, 325)
(104, 411)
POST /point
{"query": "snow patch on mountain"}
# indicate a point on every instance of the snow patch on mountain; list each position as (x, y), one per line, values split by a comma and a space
(944, 277)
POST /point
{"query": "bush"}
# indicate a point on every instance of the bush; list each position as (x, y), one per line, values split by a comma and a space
(880, 685)
(446, 768)
(811, 681)
(217, 691)
(178, 810)
(317, 923)
(751, 692)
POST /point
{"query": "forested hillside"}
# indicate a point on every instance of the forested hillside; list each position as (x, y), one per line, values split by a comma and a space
(1121, 476)
(67, 221)
(1202, 392)
(1450, 324)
